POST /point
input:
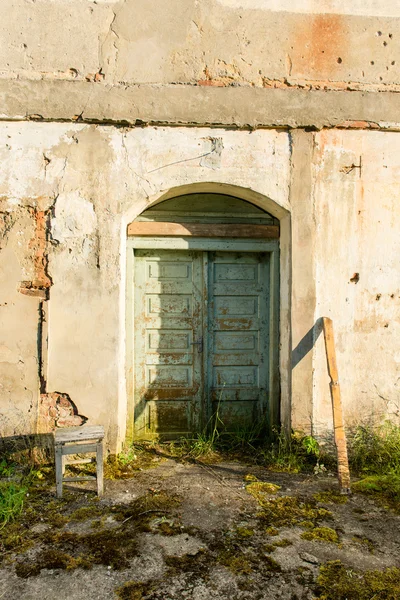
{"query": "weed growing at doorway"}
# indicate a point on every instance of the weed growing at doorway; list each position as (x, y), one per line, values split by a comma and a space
(205, 445)
(131, 460)
(291, 454)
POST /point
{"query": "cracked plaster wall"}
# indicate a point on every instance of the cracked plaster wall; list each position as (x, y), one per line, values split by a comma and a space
(19, 380)
(357, 272)
(259, 43)
(94, 179)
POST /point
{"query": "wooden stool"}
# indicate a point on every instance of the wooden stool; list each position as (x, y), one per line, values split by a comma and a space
(78, 440)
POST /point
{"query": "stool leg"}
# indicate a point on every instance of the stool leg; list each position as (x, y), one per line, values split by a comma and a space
(59, 471)
(99, 469)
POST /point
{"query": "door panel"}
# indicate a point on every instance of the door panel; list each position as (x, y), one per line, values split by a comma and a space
(178, 303)
(238, 337)
(168, 319)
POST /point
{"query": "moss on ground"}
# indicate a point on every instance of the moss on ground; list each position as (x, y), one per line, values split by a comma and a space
(272, 565)
(283, 543)
(290, 510)
(235, 561)
(111, 547)
(338, 582)
(244, 532)
(384, 488)
(260, 490)
(40, 509)
(272, 531)
(269, 548)
(306, 524)
(127, 464)
(85, 513)
(321, 534)
(365, 543)
(331, 497)
(198, 563)
(134, 590)
(168, 528)
(51, 559)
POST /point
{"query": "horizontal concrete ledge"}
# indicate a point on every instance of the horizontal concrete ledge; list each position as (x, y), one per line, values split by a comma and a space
(243, 107)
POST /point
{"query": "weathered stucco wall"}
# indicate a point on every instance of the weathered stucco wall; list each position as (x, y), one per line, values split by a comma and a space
(19, 376)
(261, 77)
(357, 274)
(253, 63)
(92, 180)
(211, 43)
(348, 270)
(97, 179)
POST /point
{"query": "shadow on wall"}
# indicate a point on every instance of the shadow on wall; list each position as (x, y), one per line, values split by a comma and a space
(307, 342)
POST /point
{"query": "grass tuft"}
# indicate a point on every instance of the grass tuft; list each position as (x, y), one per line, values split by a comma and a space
(376, 449)
(12, 497)
(375, 455)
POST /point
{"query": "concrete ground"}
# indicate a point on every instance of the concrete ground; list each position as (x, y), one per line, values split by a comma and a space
(193, 530)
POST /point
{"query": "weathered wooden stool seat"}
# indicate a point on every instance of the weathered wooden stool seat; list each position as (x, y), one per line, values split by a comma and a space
(78, 440)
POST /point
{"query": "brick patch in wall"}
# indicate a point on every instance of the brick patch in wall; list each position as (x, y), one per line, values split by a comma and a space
(58, 410)
(41, 283)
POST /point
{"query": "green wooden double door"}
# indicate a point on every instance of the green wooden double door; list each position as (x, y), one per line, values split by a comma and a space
(201, 341)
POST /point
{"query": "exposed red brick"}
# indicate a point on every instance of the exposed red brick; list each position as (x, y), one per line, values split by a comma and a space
(359, 125)
(28, 289)
(58, 410)
(39, 246)
(213, 82)
(41, 282)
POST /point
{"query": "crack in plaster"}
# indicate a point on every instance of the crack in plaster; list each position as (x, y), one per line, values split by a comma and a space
(102, 54)
(6, 224)
(216, 148)
(140, 178)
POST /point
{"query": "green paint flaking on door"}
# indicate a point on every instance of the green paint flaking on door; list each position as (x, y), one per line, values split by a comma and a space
(238, 315)
(185, 297)
(168, 319)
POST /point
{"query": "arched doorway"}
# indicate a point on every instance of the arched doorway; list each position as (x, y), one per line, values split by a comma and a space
(202, 328)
